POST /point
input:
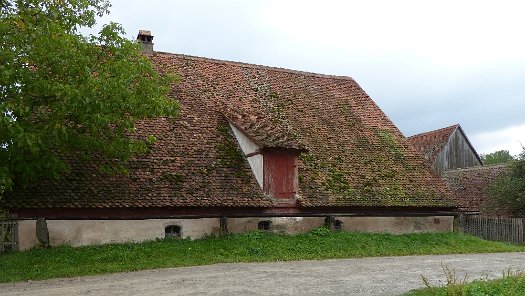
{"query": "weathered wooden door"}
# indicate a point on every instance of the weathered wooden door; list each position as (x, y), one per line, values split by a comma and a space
(280, 175)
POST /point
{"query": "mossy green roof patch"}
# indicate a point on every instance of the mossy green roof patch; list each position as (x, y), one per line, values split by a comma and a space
(230, 155)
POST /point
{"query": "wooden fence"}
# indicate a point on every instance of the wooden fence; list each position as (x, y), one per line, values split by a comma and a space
(497, 229)
(8, 235)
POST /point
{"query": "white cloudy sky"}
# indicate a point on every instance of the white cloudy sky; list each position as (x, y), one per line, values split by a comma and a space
(427, 64)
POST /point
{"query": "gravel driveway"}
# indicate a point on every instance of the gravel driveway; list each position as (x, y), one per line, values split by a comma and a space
(365, 276)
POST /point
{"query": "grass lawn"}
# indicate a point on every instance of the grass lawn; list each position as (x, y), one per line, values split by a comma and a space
(36, 264)
(507, 286)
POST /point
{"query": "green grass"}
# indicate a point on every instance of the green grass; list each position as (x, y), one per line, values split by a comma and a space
(507, 286)
(37, 264)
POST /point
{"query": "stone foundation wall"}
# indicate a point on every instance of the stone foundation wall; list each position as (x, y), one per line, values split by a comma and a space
(90, 232)
(281, 225)
(398, 225)
(94, 232)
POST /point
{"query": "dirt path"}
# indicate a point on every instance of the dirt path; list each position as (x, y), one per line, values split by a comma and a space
(365, 276)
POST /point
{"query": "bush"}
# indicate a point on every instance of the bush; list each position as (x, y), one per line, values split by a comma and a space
(508, 190)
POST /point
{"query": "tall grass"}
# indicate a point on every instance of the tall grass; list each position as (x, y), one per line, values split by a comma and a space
(319, 244)
(512, 284)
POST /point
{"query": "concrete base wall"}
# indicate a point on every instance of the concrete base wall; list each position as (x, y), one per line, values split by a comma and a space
(288, 225)
(398, 225)
(90, 232)
(26, 234)
(95, 232)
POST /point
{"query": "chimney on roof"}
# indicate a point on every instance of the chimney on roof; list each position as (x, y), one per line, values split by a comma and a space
(146, 41)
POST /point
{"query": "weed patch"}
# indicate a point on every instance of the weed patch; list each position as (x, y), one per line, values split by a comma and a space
(259, 246)
(512, 284)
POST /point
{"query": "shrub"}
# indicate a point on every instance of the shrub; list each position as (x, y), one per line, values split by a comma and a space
(508, 190)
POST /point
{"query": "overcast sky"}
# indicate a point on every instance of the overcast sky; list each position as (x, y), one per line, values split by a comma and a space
(427, 64)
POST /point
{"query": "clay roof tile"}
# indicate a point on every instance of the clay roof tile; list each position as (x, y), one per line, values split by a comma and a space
(352, 154)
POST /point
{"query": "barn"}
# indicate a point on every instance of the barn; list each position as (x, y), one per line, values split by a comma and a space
(253, 147)
(446, 149)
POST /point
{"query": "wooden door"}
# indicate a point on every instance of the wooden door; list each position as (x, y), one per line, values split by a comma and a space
(280, 174)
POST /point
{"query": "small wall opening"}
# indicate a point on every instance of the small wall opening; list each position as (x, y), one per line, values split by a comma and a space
(338, 225)
(264, 225)
(173, 231)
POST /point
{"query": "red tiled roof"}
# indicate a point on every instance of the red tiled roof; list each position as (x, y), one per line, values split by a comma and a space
(471, 185)
(354, 155)
(263, 132)
(430, 144)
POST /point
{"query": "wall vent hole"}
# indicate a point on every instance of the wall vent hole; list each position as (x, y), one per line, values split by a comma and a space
(338, 225)
(264, 225)
(173, 231)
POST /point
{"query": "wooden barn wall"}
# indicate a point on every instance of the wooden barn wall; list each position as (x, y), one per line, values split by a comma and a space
(457, 153)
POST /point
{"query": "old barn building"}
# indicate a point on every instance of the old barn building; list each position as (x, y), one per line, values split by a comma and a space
(253, 147)
(446, 148)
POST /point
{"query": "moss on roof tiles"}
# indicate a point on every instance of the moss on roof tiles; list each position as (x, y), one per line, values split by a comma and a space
(355, 156)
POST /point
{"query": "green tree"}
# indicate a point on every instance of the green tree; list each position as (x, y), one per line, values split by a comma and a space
(497, 157)
(62, 93)
(508, 190)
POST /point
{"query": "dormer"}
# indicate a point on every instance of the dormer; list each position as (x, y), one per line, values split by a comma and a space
(275, 168)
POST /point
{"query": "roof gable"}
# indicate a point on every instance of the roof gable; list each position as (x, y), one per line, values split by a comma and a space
(431, 143)
(460, 129)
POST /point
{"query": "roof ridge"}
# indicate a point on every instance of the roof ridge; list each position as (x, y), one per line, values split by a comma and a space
(435, 131)
(256, 66)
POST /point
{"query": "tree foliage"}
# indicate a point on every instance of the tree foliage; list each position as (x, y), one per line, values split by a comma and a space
(62, 93)
(508, 190)
(497, 157)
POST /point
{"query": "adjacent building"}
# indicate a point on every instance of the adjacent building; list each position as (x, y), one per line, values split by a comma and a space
(446, 148)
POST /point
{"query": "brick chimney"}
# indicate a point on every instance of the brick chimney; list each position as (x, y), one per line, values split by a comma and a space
(146, 40)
